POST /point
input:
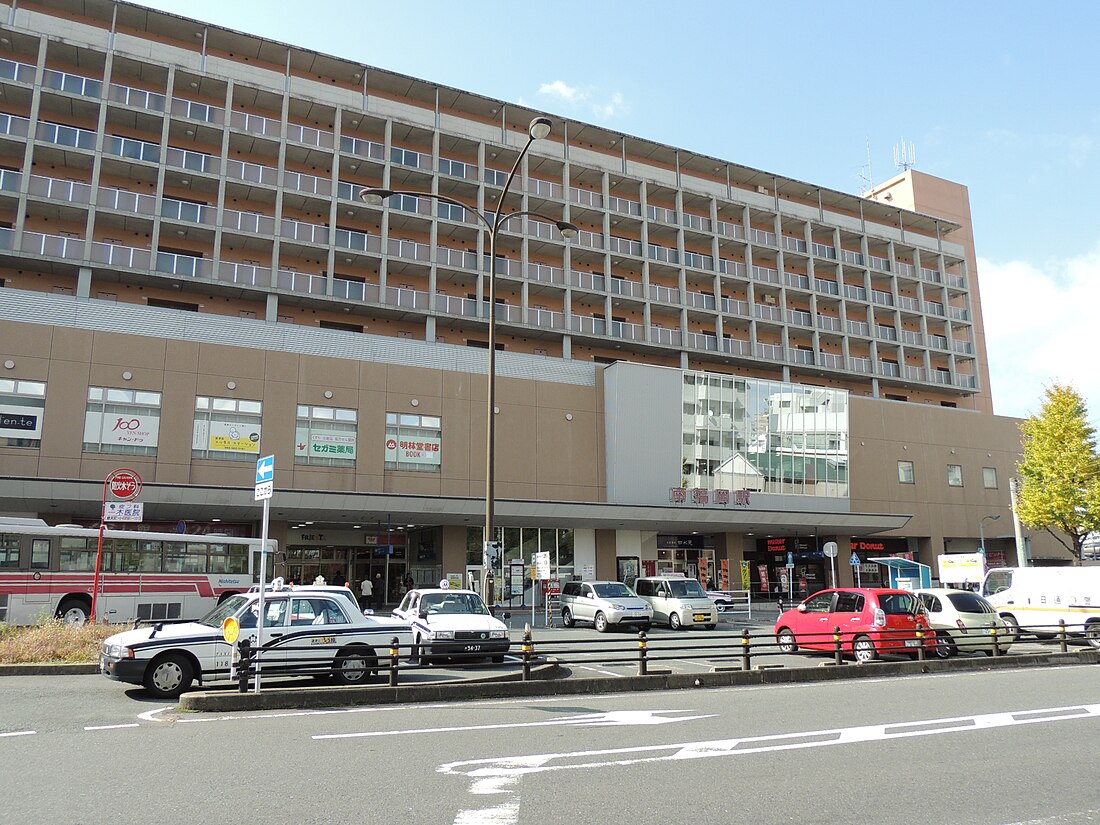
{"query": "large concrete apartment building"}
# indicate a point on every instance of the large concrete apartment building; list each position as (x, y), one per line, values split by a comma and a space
(724, 370)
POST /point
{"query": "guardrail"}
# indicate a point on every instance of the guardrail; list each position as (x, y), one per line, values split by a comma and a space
(734, 651)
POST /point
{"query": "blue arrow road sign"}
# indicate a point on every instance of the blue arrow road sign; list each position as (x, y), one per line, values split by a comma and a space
(854, 561)
(265, 469)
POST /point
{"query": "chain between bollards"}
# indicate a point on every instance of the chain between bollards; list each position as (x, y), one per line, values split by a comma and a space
(641, 653)
(395, 649)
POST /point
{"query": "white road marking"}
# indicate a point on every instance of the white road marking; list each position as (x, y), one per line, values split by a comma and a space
(598, 670)
(113, 727)
(149, 715)
(611, 719)
(1065, 819)
(20, 733)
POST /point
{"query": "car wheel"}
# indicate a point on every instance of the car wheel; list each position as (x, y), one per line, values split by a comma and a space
(169, 675)
(786, 641)
(864, 650)
(674, 621)
(600, 623)
(1092, 633)
(943, 647)
(74, 611)
(1012, 629)
(354, 666)
(567, 617)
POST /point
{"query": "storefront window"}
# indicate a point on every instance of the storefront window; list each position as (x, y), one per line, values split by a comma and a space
(121, 421)
(22, 404)
(226, 429)
(325, 436)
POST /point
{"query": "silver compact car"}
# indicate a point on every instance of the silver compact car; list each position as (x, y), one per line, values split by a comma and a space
(603, 604)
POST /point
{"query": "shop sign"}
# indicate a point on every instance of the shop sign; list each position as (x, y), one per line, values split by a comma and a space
(898, 548)
(227, 437)
(414, 450)
(17, 421)
(324, 443)
(763, 570)
(701, 496)
(110, 428)
(667, 542)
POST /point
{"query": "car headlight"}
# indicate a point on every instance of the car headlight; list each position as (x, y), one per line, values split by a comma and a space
(498, 634)
(618, 607)
(120, 652)
(441, 634)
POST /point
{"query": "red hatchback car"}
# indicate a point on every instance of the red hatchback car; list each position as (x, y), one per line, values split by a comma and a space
(872, 620)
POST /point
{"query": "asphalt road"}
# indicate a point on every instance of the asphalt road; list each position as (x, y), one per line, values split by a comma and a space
(992, 748)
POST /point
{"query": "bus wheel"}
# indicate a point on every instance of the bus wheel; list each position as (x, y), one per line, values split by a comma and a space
(74, 611)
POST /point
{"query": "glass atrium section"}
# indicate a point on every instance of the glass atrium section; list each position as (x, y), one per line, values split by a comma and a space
(742, 434)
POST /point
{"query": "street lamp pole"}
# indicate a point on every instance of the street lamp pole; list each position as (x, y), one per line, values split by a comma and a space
(981, 531)
(538, 128)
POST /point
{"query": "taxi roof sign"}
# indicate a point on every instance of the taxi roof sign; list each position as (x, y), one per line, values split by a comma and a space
(231, 629)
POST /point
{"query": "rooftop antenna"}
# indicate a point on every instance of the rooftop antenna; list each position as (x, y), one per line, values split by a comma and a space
(865, 177)
(905, 156)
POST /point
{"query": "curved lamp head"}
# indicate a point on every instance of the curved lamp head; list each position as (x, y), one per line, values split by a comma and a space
(539, 127)
(374, 197)
(994, 518)
(567, 230)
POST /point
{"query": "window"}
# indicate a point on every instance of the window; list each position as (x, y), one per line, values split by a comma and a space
(954, 475)
(226, 429)
(819, 603)
(849, 603)
(905, 472)
(989, 477)
(414, 442)
(22, 405)
(325, 436)
(9, 550)
(121, 421)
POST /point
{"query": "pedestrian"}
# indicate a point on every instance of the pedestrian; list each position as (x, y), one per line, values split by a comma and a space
(409, 584)
(379, 588)
(366, 589)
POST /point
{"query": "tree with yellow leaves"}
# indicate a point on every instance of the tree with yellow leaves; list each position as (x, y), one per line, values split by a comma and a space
(1060, 470)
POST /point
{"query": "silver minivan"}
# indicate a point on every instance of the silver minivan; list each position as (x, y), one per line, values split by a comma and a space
(604, 604)
(677, 601)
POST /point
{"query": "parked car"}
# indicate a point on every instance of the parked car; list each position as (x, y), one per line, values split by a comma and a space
(872, 621)
(603, 603)
(677, 601)
(305, 633)
(452, 623)
(963, 621)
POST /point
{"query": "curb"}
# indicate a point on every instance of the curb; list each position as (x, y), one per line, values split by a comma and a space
(547, 683)
(54, 669)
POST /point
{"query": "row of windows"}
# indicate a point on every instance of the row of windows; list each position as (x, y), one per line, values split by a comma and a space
(907, 475)
(129, 556)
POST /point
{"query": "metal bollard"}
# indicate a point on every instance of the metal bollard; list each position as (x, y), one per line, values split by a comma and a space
(746, 661)
(528, 650)
(838, 658)
(641, 653)
(996, 644)
(920, 645)
(395, 649)
(1062, 640)
(244, 665)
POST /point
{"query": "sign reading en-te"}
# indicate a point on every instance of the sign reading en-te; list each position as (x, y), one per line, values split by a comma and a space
(124, 484)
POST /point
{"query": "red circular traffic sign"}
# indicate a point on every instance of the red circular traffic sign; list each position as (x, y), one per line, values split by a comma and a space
(124, 484)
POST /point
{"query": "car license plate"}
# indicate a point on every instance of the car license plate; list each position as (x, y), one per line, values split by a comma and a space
(701, 617)
(472, 648)
(912, 642)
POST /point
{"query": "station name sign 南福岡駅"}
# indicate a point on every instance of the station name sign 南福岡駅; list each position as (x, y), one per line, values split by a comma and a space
(703, 496)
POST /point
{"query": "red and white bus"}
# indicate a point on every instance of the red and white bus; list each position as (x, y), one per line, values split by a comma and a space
(47, 572)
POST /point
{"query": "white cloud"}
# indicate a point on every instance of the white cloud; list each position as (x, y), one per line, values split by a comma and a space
(1041, 329)
(601, 107)
(563, 91)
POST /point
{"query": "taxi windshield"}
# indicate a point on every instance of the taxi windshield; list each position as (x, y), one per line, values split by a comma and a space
(223, 611)
(435, 603)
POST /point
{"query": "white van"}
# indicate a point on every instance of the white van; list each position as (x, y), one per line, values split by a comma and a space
(1036, 598)
(677, 601)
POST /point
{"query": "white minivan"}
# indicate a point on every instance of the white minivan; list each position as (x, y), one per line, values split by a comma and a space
(677, 601)
(1034, 599)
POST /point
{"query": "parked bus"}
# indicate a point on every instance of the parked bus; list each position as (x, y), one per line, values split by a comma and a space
(47, 572)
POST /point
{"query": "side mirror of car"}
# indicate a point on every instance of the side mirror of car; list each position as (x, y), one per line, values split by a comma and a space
(424, 613)
(506, 616)
(801, 608)
(368, 612)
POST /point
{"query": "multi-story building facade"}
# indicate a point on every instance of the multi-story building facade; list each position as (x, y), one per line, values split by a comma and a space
(725, 365)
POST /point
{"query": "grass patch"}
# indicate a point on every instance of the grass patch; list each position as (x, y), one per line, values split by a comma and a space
(52, 641)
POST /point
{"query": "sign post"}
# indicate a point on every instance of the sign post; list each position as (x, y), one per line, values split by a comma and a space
(124, 485)
(541, 572)
(854, 561)
(265, 487)
(790, 576)
(830, 550)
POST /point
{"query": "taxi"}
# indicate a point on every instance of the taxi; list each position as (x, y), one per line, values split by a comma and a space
(306, 631)
(451, 623)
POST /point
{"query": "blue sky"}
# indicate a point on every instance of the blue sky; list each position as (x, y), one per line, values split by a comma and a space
(999, 96)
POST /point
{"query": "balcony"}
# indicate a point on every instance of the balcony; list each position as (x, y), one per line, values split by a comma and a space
(309, 136)
(731, 230)
(821, 250)
(193, 110)
(52, 246)
(663, 254)
(769, 352)
(735, 306)
(416, 299)
(19, 72)
(192, 266)
(355, 240)
(860, 364)
(765, 274)
(696, 222)
(57, 133)
(796, 280)
(826, 287)
(959, 314)
(188, 212)
(912, 373)
(736, 346)
(859, 328)
(930, 275)
(695, 260)
(546, 318)
(202, 162)
(664, 294)
(882, 264)
(410, 158)
(800, 318)
(305, 232)
(123, 257)
(71, 83)
(828, 323)
(545, 188)
(20, 127)
(803, 356)
(589, 324)
(624, 286)
(588, 281)
(251, 223)
(252, 172)
(362, 148)
(857, 293)
(735, 268)
(849, 257)
(310, 184)
(662, 215)
(760, 236)
(883, 299)
(239, 273)
(912, 338)
(585, 197)
(307, 282)
(627, 331)
(624, 206)
(458, 169)
(57, 189)
(354, 290)
(256, 124)
(624, 246)
(137, 98)
(546, 274)
(702, 341)
(701, 300)
(663, 335)
(830, 360)
(794, 244)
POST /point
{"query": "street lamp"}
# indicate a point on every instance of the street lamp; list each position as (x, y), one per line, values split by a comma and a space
(536, 130)
(981, 530)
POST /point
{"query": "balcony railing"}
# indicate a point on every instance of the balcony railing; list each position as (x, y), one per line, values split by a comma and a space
(736, 346)
(624, 206)
(908, 303)
(410, 157)
(589, 324)
(702, 340)
(696, 222)
(663, 254)
(546, 274)
(256, 124)
(731, 230)
(294, 281)
(201, 162)
(249, 274)
(252, 172)
(665, 294)
(353, 290)
(827, 287)
(912, 373)
(57, 189)
(458, 169)
(959, 314)
(830, 360)
(735, 306)
(72, 83)
(309, 136)
(800, 318)
(735, 268)
(906, 269)
(357, 241)
(849, 257)
(400, 296)
(193, 110)
(57, 133)
(186, 211)
(545, 188)
(192, 266)
(52, 246)
(794, 244)
(138, 98)
(796, 280)
(585, 197)
(310, 184)
(624, 246)
(965, 347)
(701, 300)
(828, 323)
(660, 213)
(411, 250)
(822, 250)
(252, 223)
(859, 328)
(769, 352)
(362, 148)
(857, 293)
(588, 280)
(627, 330)
(696, 260)
(880, 263)
(124, 257)
(768, 313)
(546, 318)
(624, 286)
(664, 335)
(860, 364)
(762, 236)
(908, 336)
(592, 240)
(888, 369)
(10, 180)
(307, 232)
(930, 275)
(881, 298)
(765, 274)
(884, 333)
(14, 70)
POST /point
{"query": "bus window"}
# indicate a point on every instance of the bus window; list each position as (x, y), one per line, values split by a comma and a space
(9, 550)
(40, 554)
(76, 554)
